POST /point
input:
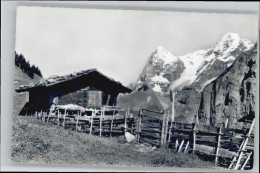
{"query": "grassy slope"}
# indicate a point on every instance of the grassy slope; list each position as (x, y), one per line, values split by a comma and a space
(21, 78)
(34, 142)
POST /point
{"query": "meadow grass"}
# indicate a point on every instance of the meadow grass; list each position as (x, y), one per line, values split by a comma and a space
(36, 142)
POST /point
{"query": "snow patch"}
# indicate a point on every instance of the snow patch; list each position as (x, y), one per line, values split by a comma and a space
(159, 79)
(229, 64)
(148, 99)
(207, 82)
(157, 88)
(192, 62)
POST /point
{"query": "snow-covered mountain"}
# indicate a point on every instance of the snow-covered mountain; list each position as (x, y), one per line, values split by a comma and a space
(164, 71)
(187, 75)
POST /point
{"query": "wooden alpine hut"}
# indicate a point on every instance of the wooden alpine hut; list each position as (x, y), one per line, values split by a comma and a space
(88, 88)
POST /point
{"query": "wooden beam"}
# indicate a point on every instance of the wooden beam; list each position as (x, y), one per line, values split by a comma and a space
(218, 146)
(176, 144)
(173, 111)
(235, 157)
(125, 119)
(162, 131)
(48, 116)
(194, 138)
(139, 123)
(58, 119)
(247, 159)
(180, 147)
(43, 117)
(111, 125)
(108, 98)
(91, 121)
(197, 118)
(244, 146)
(166, 129)
(186, 147)
(64, 118)
(100, 123)
(77, 122)
(35, 115)
(226, 123)
(170, 133)
(40, 114)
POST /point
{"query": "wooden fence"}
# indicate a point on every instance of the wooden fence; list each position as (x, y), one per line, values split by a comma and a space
(212, 143)
(96, 122)
(151, 128)
(230, 148)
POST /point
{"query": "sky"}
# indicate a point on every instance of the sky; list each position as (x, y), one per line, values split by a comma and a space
(117, 43)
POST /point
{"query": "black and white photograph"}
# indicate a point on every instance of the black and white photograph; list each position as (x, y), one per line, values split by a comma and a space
(134, 88)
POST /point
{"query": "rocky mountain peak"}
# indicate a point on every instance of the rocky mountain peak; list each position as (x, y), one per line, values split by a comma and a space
(164, 71)
(163, 56)
(229, 44)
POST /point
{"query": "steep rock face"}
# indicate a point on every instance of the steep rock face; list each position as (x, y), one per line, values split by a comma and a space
(232, 95)
(186, 104)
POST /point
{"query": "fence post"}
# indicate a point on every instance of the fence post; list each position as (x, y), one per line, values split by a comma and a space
(58, 119)
(64, 118)
(235, 157)
(91, 121)
(226, 123)
(139, 123)
(162, 131)
(43, 117)
(186, 147)
(176, 144)
(35, 115)
(111, 125)
(172, 117)
(40, 115)
(78, 115)
(180, 147)
(218, 145)
(193, 138)
(49, 113)
(125, 119)
(166, 129)
(100, 123)
(131, 119)
(248, 157)
(244, 146)
(169, 132)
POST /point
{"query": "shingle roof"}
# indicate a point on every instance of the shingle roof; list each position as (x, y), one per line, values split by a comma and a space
(54, 80)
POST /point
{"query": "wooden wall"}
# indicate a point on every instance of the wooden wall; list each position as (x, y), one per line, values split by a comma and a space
(91, 98)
